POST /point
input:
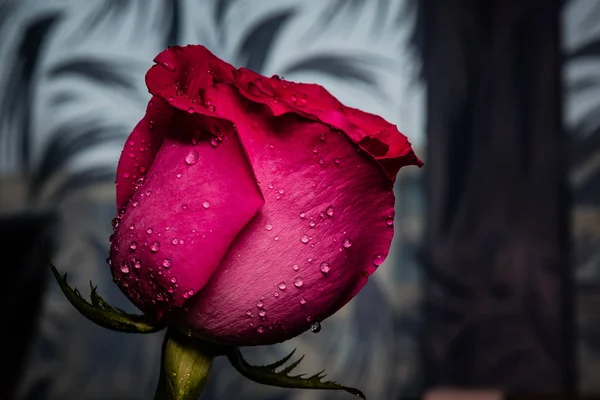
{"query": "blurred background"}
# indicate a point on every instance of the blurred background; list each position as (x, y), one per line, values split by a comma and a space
(494, 276)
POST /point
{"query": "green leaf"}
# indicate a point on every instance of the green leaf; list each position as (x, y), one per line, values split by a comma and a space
(268, 374)
(100, 312)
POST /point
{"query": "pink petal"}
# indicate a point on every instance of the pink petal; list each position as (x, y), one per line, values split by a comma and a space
(178, 225)
(286, 153)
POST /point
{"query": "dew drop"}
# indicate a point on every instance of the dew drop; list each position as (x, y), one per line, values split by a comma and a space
(315, 150)
(167, 263)
(212, 108)
(315, 328)
(377, 260)
(322, 137)
(302, 215)
(137, 264)
(196, 140)
(262, 313)
(178, 176)
(249, 313)
(302, 300)
(309, 259)
(389, 221)
(282, 286)
(337, 161)
(170, 98)
(149, 231)
(298, 282)
(184, 206)
(295, 267)
(309, 318)
(206, 204)
(132, 227)
(293, 98)
(270, 185)
(346, 243)
(154, 247)
(259, 304)
(260, 329)
(125, 267)
(324, 267)
(281, 191)
(133, 245)
(191, 110)
(191, 158)
(126, 175)
(329, 211)
(115, 222)
(214, 142)
(304, 239)
(312, 223)
(269, 227)
(173, 280)
(175, 241)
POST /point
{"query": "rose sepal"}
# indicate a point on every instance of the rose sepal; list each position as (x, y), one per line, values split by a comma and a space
(276, 374)
(100, 312)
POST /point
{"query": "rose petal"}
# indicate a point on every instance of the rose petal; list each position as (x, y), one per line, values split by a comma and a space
(194, 202)
(286, 153)
(196, 68)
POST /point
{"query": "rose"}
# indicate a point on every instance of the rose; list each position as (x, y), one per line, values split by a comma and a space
(250, 207)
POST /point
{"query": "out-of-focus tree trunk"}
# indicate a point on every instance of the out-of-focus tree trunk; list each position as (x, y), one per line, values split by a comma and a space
(499, 296)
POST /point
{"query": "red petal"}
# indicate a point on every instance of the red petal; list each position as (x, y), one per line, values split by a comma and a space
(178, 226)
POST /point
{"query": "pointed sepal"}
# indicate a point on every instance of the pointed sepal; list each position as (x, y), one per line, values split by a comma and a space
(270, 375)
(100, 312)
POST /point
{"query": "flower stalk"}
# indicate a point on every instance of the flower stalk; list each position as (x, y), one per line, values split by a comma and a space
(185, 367)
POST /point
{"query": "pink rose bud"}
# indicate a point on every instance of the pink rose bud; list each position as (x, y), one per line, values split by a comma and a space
(250, 208)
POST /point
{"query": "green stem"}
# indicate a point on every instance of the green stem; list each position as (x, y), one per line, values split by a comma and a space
(185, 367)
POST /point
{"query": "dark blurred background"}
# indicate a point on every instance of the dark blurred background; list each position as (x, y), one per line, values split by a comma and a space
(494, 277)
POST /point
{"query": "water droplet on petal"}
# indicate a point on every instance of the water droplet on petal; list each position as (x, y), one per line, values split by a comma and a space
(125, 267)
(137, 264)
(259, 304)
(269, 227)
(312, 223)
(281, 191)
(249, 313)
(115, 222)
(315, 327)
(378, 260)
(309, 259)
(298, 282)
(212, 108)
(389, 221)
(260, 329)
(149, 231)
(302, 300)
(214, 142)
(329, 211)
(126, 175)
(346, 243)
(167, 263)
(322, 137)
(173, 280)
(132, 227)
(337, 161)
(175, 241)
(206, 204)
(178, 176)
(324, 267)
(133, 245)
(184, 206)
(154, 247)
(295, 267)
(275, 294)
(304, 239)
(302, 215)
(196, 140)
(191, 110)
(262, 313)
(170, 98)
(282, 286)
(191, 158)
